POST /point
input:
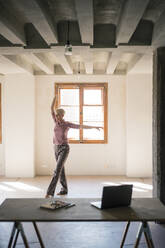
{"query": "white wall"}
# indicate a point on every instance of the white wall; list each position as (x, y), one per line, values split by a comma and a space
(129, 148)
(84, 159)
(19, 106)
(139, 125)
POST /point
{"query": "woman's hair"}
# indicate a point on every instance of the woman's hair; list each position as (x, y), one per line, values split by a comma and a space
(60, 111)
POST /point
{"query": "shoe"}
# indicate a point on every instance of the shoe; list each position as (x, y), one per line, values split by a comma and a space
(62, 192)
(48, 196)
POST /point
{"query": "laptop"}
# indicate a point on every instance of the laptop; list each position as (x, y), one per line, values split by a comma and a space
(115, 196)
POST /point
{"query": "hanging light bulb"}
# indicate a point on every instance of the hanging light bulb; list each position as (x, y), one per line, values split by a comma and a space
(68, 49)
(68, 46)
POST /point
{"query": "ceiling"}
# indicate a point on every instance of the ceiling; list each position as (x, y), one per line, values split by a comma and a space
(107, 36)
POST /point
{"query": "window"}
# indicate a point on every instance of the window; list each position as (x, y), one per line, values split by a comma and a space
(84, 104)
(0, 118)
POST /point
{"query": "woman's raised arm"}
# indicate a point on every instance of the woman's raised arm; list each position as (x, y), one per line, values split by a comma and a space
(52, 105)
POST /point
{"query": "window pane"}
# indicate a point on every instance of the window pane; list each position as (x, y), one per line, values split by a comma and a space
(93, 113)
(71, 114)
(69, 96)
(93, 134)
(92, 96)
(74, 134)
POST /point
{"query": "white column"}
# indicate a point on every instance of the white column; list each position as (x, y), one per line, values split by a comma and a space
(139, 125)
(19, 121)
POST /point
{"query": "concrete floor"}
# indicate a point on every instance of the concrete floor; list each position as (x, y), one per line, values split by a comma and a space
(81, 235)
(79, 186)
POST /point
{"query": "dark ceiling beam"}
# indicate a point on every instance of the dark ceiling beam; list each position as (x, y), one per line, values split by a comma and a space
(131, 14)
(158, 38)
(10, 31)
(85, 19)
(36, 13)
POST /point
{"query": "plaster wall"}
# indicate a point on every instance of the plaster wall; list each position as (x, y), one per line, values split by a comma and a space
(27, 147)
(84, 159)
(19, 123)
(139, 125)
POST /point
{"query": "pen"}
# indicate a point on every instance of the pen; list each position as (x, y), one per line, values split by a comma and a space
(70, 205)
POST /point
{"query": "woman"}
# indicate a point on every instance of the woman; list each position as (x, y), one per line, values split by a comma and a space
(61, 148)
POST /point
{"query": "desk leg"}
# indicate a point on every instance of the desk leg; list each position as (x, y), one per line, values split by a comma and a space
(139, 234)
(148, 236)
(16, 237)
(12, 235)
(19, 228)
(38, 234)
(125, 234)
(144, 227)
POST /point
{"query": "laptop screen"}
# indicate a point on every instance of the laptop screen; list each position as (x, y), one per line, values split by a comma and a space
(116, 196)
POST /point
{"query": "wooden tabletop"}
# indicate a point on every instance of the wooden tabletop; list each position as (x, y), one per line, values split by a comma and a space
(28, 209)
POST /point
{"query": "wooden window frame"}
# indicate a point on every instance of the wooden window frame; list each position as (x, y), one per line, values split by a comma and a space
(105, 104)
(0, 114)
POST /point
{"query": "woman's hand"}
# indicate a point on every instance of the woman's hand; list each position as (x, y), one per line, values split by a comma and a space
(99, 128)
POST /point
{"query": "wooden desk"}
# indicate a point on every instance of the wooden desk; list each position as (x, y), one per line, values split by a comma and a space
(28, 210)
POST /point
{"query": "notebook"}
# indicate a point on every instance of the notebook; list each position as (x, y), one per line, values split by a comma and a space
(115, 196)
(56, 204)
